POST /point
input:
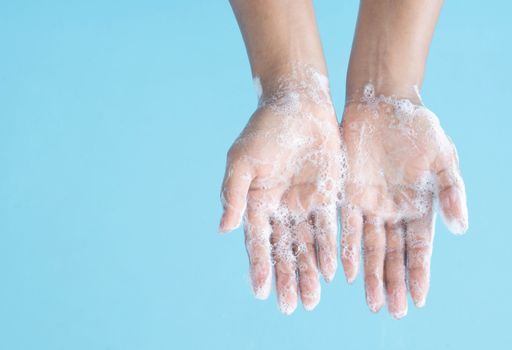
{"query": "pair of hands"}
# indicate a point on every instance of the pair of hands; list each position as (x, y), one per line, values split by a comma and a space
(293, 168)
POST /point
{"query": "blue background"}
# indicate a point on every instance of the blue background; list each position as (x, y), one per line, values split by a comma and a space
(114, 122)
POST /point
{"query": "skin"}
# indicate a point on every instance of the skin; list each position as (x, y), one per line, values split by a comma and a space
(277, 34)
(391, 45)
(390, 50)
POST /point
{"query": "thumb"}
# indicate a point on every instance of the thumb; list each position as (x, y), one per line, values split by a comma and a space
(452, 196)
(236, 184)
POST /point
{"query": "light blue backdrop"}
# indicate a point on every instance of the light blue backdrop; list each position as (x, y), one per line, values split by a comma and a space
(115, 117)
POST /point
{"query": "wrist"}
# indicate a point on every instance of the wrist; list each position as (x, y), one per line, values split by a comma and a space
(359, 90)
(390, 47)
(391, 70)
(296, 83)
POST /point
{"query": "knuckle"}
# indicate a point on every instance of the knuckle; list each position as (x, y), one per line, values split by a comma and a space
(373, 280)
(395, 256)
(418, 273)
(395, 282)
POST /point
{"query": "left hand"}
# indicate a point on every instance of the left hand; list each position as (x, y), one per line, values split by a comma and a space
(399, 162)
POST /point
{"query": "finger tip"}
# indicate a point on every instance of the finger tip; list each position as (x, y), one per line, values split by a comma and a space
(227, 227)
(223, 230)
(397, 307)
(350, 275)
(420, 302)
(287, 308)
(455, 219)
(327, 266)
(287, 302)
(229, 221)
(222, 227)
(399, 314)
(374, 305)
(261, 293)
(350, 272)
(457, 226)
(310, 305)
(375, 308)
(329, 275)
(262, 287)
(311, 299)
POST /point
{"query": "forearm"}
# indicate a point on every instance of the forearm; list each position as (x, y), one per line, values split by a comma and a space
(279, 35)
(391, 45)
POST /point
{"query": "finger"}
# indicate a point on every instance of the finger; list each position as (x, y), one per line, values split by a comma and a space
(257, 242)
(236, 184)
(326, 229)
(304, 249)
(452, 201)
(452, 194)
(394, 270)
(374, 249)
(285, 267)
(418, 242)
(352, 230)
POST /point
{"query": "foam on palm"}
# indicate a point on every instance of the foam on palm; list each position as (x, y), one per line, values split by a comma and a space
(396, 152)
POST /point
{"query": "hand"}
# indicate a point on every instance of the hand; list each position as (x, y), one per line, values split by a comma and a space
(399, 162)
(283, 172)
